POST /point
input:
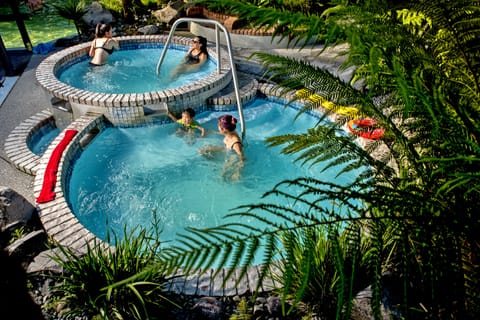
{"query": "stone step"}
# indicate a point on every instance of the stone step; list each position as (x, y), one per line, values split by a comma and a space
(227, 98)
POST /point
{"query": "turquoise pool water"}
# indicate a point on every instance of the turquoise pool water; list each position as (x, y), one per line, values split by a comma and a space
(127, 173)
(41, 139)
(132, 71)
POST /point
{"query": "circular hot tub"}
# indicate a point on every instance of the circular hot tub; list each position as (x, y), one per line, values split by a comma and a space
(127, 107)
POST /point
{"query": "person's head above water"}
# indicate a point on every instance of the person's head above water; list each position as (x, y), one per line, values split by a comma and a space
(201, 42)
(227, 122)
(102, 29)
(187, 115)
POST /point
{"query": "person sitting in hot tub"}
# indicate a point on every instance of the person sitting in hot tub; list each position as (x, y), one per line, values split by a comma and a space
(103, 44)
(195, 58)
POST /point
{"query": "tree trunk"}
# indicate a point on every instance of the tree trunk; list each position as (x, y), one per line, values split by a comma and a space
(127, 11)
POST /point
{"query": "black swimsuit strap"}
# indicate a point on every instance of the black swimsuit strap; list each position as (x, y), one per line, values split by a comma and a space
(233, 144)
(109, 51)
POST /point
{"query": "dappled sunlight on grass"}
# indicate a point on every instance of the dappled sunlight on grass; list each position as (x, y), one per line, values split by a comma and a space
(41, 27)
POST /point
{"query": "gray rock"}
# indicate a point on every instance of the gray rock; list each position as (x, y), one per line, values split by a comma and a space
(14, 207)
(149, 29)
(208, 307)
(30, 244)
(97, 14)
(362, 307)
(43, 263)
(166, 15)
(274, 305)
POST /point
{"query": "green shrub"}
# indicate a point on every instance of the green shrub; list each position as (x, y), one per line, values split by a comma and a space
(73, 10)
(322, 263)
(98, 284)
(112, 5)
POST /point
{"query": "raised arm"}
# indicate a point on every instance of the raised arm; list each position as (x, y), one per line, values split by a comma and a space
(171, 116)
(91, 53)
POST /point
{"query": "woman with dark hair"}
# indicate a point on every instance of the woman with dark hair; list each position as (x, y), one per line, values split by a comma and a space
(232, 164)
(195, 58)
(103, 44)
(226, 126)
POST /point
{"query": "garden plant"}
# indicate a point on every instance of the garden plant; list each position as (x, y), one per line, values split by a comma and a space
(413, 214)
(411, 217)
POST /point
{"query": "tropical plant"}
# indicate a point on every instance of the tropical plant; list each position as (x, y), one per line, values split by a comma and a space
(18, 234)
(243, 311)
(72, 10)
(416, 72)
(98, 284)
(114, 6)
(322, 260)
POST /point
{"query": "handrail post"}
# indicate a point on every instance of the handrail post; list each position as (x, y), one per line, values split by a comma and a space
(217, 47)
(218, 26)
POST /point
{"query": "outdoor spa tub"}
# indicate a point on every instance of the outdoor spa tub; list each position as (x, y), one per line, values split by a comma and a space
(125, 107)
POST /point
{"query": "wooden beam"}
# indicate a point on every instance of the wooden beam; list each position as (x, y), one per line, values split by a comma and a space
(5, 59)
(11, 17)
(21, 25)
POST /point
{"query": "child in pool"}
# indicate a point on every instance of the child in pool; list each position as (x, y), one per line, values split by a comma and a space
(187, 121)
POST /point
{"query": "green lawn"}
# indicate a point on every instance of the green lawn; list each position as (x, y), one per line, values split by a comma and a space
(42, 27)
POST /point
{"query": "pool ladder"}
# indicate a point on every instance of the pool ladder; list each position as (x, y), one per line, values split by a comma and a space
(218, 26)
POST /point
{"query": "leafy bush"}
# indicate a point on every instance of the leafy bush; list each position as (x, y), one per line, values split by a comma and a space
(112, 5)
(73, 10)
(321, 264)
(98, 284)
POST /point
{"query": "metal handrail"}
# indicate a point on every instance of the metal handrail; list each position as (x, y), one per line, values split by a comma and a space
(218, 26)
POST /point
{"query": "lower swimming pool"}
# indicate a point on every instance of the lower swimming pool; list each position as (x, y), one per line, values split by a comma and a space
(127, 173)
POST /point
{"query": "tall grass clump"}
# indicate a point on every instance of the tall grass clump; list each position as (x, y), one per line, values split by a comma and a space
(97, 284)
(320, 263)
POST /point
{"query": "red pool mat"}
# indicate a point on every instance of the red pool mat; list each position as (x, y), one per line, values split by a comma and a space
(50, 177)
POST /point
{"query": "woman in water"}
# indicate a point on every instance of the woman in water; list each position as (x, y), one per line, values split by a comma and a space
(226, 126)
(103, 44)
(195, 58)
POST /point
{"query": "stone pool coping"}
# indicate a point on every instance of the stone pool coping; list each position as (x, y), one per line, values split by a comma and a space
(16, 144)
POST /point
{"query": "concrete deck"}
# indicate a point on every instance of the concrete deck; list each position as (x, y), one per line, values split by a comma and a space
(25, 99)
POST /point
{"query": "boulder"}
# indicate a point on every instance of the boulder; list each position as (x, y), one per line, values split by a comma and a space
(29, 245)
(166, 15)
(14, 207)
(97, 14)
(149, 29)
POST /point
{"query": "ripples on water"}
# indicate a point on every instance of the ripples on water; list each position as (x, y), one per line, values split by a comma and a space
(126, 173)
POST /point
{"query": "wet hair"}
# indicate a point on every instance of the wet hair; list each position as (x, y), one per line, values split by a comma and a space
(101, 29)
(203, 44)
(190, 112)
(227, 122)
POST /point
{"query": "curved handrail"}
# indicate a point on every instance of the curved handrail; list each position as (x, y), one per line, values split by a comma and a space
(230, 55)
